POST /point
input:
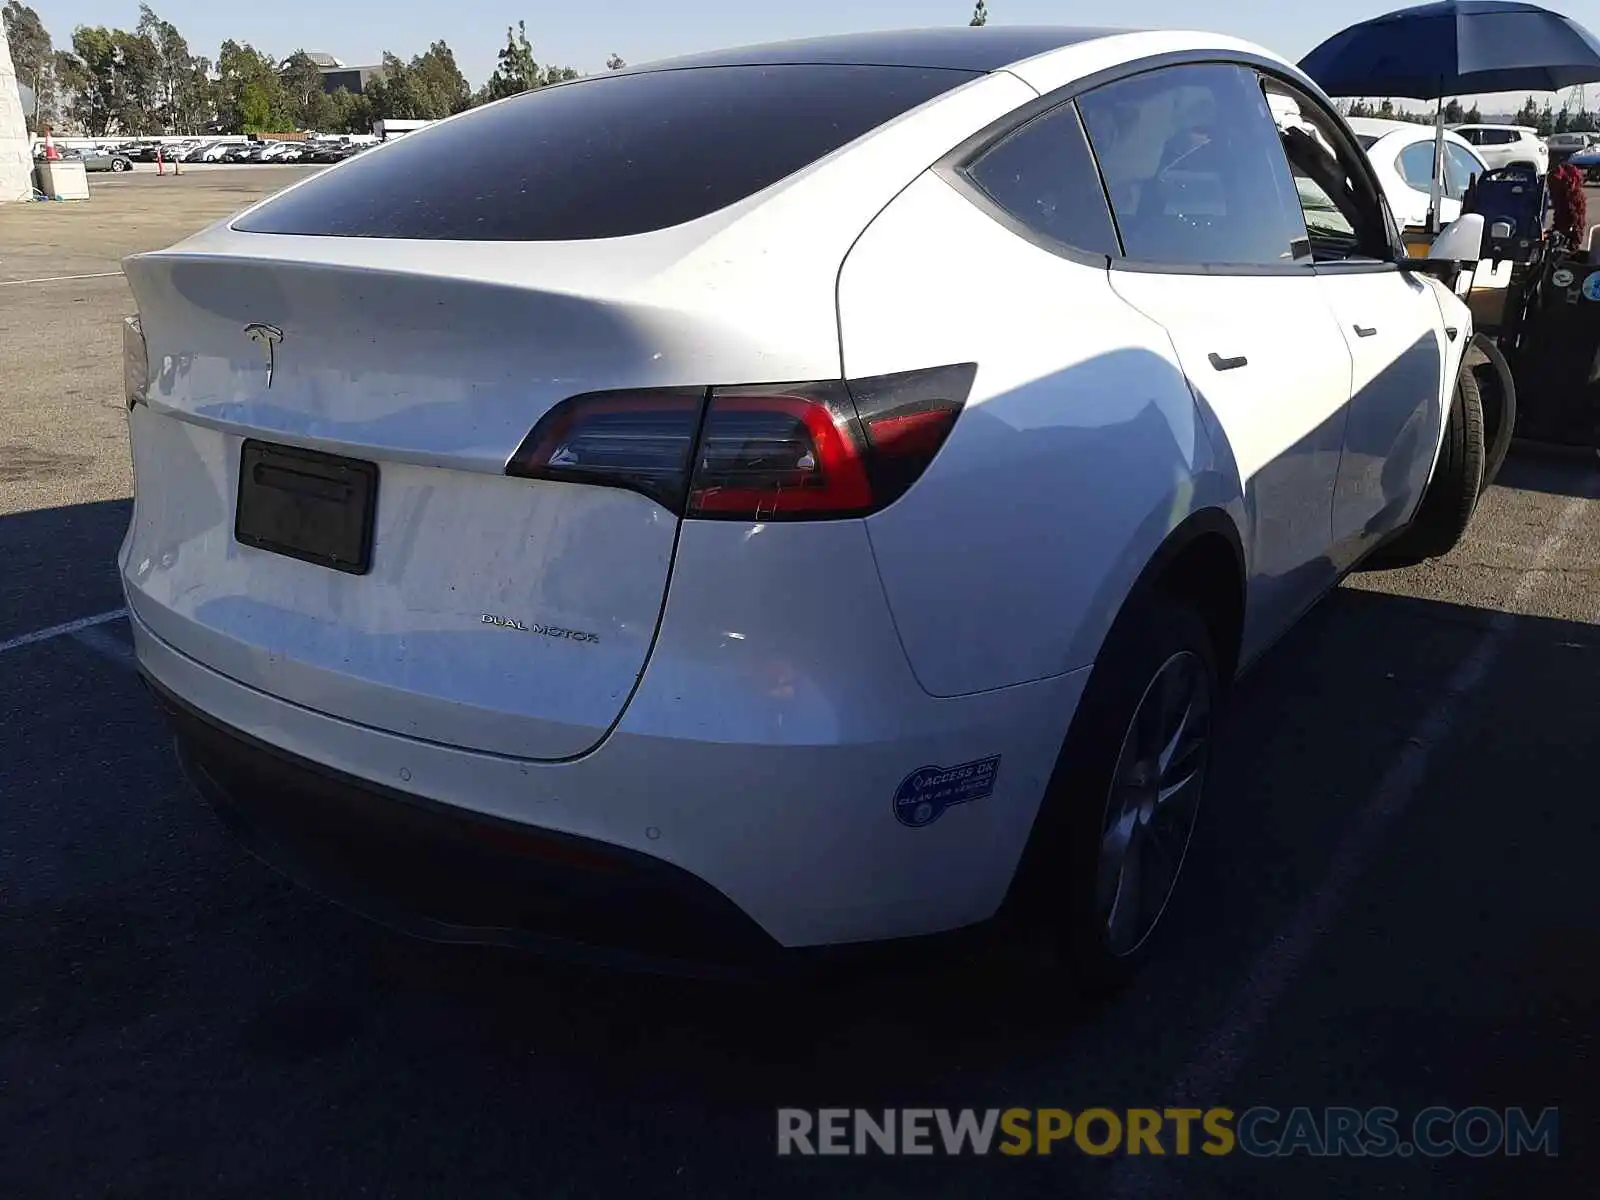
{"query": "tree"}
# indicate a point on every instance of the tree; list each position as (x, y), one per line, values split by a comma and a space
(139, 66)
(443, 89)
(1386, 109)
(182, 81)
(249, 92)
(305, 104)
(34, 58)
(518, 71)
(99, 85)
(980, 14)
(349, 112)
(615, 63)
(1474, 117)
(428, 88)
(1453, 113)
(394, 93)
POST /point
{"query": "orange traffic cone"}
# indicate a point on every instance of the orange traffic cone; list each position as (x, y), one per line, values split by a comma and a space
(161, 166)
(51, 154)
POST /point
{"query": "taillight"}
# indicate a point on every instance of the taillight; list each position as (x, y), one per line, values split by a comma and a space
(907, 418)
(770, 453)
(135, 362)
(763, 453)
(641, 441)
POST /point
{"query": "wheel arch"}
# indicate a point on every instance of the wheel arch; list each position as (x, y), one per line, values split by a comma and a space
(1201, 563)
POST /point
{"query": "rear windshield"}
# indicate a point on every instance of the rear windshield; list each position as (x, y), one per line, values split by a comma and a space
(603, 157)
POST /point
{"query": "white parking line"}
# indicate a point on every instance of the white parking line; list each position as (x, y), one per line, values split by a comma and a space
(107, 645)
(60, 278)
(1220, 1057)
(55, 631)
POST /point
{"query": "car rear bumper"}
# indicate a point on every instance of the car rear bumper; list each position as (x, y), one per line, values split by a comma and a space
(650, 848)
(446, 874)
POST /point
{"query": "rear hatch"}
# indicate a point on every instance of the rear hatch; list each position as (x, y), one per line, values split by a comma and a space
(510, 615)
(418, 309)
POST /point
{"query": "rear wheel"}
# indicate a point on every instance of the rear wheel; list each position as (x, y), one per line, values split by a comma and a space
(1451, 497)
(118, 164)
(1115, 826)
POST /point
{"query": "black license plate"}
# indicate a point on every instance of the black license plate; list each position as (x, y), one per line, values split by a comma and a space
(308, 505)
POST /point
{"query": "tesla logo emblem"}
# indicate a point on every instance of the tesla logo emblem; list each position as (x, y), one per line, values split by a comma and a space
(267, 337)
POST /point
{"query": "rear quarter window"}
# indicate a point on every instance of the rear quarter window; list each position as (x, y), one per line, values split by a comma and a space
(607, 156)
(1044, 176)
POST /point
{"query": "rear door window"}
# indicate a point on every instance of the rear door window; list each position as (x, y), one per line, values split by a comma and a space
(607, 156)
(1459, 168)
(1415, 165)
(1191, 162)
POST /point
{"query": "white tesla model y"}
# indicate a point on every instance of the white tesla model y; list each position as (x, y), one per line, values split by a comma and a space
(801, 495)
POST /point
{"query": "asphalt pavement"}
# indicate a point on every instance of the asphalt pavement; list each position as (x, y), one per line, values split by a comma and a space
(1389, 902)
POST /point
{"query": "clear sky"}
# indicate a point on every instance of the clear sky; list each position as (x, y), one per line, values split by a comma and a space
(581, 33)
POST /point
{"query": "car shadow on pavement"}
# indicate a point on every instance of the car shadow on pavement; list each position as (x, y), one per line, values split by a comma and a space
(59, 564)
(234, 1028)
(1556, 472)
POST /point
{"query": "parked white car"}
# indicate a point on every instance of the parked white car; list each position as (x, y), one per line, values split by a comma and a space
(813, 494)
(1401, 153)
(1502, 145)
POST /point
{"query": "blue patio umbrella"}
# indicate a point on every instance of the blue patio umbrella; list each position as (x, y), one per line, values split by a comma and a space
(1455, 48)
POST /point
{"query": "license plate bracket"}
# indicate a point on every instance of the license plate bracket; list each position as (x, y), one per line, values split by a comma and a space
(306, 504)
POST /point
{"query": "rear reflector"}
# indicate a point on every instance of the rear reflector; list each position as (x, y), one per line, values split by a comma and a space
(791, 452)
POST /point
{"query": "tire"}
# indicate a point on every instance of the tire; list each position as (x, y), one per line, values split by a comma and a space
(1451, 497)
(1497, 390)
(1067, 874)
(118, 165)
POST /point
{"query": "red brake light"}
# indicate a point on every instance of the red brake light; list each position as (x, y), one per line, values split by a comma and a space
(766, 455)
(762, 453)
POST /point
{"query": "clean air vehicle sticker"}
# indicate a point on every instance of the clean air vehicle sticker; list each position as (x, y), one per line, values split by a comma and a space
(1591, 286)
(924, 794)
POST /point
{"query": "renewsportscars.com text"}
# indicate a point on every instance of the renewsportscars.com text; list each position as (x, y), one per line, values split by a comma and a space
(1260, 1132)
